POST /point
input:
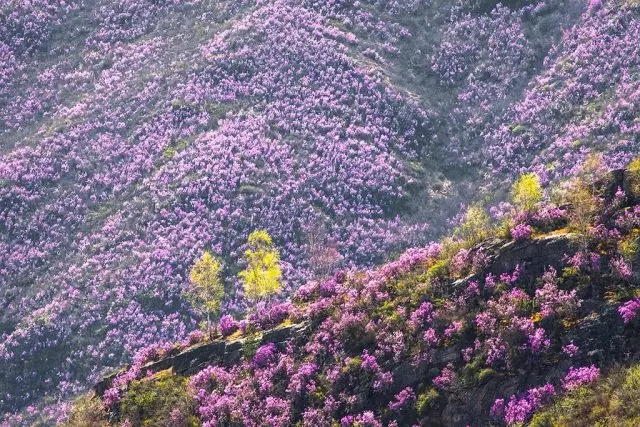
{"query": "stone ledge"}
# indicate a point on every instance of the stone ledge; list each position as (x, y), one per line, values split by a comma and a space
(217, 352)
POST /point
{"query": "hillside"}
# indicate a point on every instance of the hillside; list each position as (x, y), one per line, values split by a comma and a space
(453, 334)
(135, 134)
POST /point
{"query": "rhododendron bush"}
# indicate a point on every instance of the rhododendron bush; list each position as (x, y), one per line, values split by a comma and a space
(138, 135)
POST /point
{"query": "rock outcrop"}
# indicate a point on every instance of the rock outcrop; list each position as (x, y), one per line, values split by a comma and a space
(217, 352)
(595, 328)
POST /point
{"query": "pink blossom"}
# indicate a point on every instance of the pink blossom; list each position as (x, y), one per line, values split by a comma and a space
(521, 232)
(577, 377)
(629, 310)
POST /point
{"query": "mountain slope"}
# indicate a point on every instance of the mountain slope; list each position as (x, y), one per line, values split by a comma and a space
(135, 134)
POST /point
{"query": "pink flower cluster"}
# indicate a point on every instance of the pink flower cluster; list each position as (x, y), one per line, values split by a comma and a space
(228, 325)
(264, 355)
(577, 377)
(519, 408)
(554, 301)
(629, 310)
(446, 377)
(521, 232)
(621, 268)
(402, 399)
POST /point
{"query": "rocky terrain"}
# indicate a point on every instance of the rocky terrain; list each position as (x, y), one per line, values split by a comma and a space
(489, 335)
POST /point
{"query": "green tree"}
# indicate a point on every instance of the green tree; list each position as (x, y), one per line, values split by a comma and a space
(263, 275)
(207, 290)
(585, 206)
(475, 226)
(526, 193)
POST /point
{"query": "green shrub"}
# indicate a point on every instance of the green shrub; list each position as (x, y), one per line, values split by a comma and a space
(584, 205)
(475, 226)
(159, 401)
(87, 411)
(629, 246)
(439, 270)
(503, 230)
(634, 177)
(526, 193)
(427, 400)
(251, 345)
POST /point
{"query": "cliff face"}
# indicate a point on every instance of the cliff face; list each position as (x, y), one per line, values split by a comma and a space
(227, 353)
(532, 257)
(488, 334)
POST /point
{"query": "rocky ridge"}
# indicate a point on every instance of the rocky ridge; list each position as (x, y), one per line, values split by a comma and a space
(596, 327)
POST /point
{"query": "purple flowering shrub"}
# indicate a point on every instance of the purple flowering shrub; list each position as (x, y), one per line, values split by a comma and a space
(554, 301)
(577, 377)
(519, 408)
(446, 377)
(521, 232)
(571, 350)
(228, 325)
(264, 355)
(268, 317)
(629, 310)
(402, 399)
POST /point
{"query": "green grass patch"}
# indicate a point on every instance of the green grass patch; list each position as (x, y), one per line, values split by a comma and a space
(159, 401)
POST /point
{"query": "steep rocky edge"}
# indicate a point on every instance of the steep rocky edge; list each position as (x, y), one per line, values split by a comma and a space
(595, 327)
(534, 256)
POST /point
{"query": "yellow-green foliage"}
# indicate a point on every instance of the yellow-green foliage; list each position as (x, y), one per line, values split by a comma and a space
(87, 411)
(207, 291)
(352, 365)
(263, 275)
(427, 400)
(159, 401)
(485, 374)
(385, 310)
(526, 193)
(634, 176)
(570, 271)
(629, 246)
(450, 247)
(475, 227)
(584, 205)
(439, 270)
(612, 401)
(409, 289)
(503, 230)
